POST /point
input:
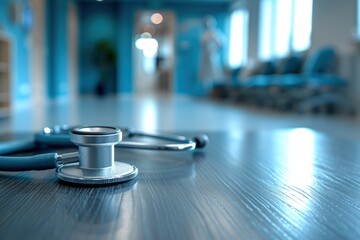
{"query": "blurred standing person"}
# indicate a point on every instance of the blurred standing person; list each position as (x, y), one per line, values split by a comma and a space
(212, 41)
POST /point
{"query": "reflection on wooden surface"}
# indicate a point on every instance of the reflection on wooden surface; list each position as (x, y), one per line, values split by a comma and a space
(286, 184)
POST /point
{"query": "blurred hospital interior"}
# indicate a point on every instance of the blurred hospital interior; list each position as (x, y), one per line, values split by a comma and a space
(181, 65)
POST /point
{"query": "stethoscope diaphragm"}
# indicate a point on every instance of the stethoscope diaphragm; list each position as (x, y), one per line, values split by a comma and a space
(97, 165)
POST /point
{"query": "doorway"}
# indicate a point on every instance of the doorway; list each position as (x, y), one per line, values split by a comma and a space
(154, 52)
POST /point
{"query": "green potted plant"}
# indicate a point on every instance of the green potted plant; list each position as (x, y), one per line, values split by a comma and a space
(104, 58)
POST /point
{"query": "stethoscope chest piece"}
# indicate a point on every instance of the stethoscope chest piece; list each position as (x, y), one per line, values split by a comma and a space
(97, 165)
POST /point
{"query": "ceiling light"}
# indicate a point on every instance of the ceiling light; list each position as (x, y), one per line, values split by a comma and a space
(156, 18)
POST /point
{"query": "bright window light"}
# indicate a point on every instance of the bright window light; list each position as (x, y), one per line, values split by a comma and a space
(238, 38)
(285, 27)
(302, 25)
(283, 21)
(266, 25)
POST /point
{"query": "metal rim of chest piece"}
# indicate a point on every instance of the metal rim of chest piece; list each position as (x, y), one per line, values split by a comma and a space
(97, 165)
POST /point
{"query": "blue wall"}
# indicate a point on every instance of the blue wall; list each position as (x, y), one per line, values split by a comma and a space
(116, 22)
(19, 34)
(111, 20)
(57, 48)
(97, 21)
(126, 41)
(123, 20)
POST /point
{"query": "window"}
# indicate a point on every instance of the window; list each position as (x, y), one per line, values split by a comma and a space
(238, 38)
(302, 24)
(285, 27)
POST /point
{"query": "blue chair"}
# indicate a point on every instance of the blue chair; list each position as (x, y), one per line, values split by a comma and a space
(323, 89)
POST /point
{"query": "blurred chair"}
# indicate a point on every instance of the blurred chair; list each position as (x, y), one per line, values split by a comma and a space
(298, 83)
(323, 90)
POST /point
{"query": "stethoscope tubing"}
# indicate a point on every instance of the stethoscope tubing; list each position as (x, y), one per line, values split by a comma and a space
(26, 163)
(181, 143)
(54, 160)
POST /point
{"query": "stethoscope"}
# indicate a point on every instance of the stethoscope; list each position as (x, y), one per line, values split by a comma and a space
(94, 162)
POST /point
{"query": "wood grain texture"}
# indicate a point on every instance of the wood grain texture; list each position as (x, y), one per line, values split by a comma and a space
(245, 185)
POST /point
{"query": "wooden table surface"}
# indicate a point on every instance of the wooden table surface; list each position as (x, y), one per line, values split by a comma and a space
(294, 183)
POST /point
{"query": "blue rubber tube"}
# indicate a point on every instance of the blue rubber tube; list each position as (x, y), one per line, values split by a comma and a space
(27, 163)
